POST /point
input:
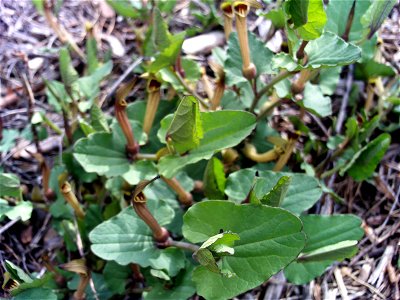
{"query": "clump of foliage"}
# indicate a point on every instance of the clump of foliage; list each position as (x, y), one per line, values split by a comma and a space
(187, 194)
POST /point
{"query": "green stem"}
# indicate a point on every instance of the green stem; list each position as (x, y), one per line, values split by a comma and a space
(148, 156)
(266, 88)
(189, 90)
(53, 126)
(269, 109)
(330, 172)
(183, 245)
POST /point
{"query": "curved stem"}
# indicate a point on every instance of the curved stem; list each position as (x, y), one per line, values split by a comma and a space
(271, 105)
(250, 152)
(284, 158)
(70, 197)
(266, 88)
(160, 234)
(189, 90)
(184, 197)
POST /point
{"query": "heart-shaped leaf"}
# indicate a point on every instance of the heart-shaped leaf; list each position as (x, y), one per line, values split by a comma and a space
(105, 153)
(270, 238)
(315, 101)
(222, 129)
(328, 235)
(126, 239)
(329, 50)
(302, 193)
(365, 161)
(9, 185)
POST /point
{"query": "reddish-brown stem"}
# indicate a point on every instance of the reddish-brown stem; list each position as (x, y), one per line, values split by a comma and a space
(160, 234)
(120, 113)
(300, 53)
(185, 198)
(79, 294)
(350, 18)
(137, 274)
(47, 191)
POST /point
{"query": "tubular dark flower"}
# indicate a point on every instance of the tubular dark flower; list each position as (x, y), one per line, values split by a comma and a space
(241, 10)
(153, 90)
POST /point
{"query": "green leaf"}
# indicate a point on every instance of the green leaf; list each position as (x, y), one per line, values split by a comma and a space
(170, 260)
(329, 79)
(338, 15)
(45, 282)
(261, 56)
(98, 119)
(275, 196)
(206, 259)
(168, 56)
(334, 252)
(140, 170)
(276, 16)
(160, 34)
(328, 50)
(185, 130)
(191, 69)
(376, 14)
(56, 94)
(91, 54)
(324, 234)
(68, 73)
(126, 239)
(17, 273)
(21, 210)
(315, 101)
(124, 8)
(100, 286)
(371, 69)
(36, 294)
(302, 193)
(365, 161)
(259, 253)
(8, 139)
(368, 128)
(89, 86)
(116, 277)
(104, 153)
(9, 185)
(222, 129)
(180, 287)
(214, 179)
(316, 20)
(222, 243)
(38, 5)
(297, 11)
